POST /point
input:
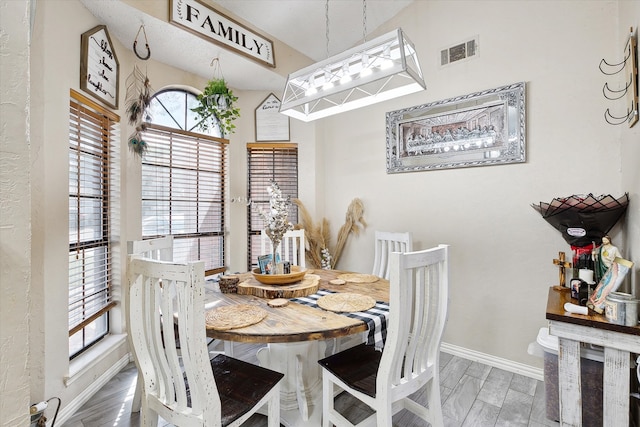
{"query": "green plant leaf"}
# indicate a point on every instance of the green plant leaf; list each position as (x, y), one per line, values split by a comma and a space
(217, 104)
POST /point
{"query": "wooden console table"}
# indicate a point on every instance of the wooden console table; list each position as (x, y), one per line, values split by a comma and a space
(618, 341)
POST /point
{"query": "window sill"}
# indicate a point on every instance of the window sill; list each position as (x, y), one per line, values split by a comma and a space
(90, 358)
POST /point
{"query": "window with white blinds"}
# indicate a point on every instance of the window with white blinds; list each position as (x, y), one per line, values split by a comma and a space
(92, 129)
(267, 162)
(183, 181)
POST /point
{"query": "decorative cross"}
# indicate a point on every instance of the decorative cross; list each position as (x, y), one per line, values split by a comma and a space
(562, 264)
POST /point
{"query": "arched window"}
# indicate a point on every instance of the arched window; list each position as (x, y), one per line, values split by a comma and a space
(172, 108)
(183, 180)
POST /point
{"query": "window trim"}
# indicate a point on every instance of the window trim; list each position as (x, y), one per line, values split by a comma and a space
(273, 147)
(162, 130)
(81, 108)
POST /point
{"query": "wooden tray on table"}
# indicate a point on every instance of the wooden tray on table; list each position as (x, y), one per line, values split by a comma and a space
(296, 275)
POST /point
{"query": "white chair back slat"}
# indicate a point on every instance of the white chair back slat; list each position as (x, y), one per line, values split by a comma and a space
(292, 247)
(175, 389)
(160, 248)
(385, 243)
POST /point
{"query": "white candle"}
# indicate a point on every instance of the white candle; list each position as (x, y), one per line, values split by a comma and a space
(586, 275)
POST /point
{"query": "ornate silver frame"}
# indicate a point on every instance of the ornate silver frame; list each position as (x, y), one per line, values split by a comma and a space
(480, 129)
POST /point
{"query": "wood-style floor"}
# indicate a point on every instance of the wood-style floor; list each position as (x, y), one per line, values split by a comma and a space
(472, 394)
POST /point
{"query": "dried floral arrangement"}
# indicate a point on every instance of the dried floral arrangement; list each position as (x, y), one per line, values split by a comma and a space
(319, 252)
(276, 222)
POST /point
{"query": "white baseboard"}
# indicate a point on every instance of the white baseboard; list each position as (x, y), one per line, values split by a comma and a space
(69, 410)
(494, 361)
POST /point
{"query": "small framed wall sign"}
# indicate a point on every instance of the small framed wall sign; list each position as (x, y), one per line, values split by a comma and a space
(271, 125)
(99, 66)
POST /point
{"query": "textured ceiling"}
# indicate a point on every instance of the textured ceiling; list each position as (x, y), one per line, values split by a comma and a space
(300, 24)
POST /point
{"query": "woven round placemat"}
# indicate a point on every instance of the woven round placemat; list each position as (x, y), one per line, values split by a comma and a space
(234, 316)
(346, 302)
(358, 277)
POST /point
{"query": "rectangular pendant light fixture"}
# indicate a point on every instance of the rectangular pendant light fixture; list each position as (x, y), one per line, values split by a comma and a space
(380, 69)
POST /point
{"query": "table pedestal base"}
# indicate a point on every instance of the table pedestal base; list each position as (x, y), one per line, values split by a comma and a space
(301, 387)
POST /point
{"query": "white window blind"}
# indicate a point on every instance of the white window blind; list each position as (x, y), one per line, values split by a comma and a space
(266, 162)
(183, 181)
(91, 131)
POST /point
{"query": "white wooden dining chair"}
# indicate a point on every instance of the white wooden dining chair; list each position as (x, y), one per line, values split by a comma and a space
(160, 248)
(292, 247)
(385, 243)
(410, 358)
(188, 389)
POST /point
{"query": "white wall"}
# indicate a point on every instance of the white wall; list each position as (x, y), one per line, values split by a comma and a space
(55, 71)
(501, 248)
(15, 229)
(629, 17)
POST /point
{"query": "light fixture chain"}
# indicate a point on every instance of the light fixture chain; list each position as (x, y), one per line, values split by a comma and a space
(364, 20)
(326, 11)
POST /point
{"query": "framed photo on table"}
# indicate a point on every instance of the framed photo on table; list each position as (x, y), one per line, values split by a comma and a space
(479, 129)
(271, 125)
(265, 263)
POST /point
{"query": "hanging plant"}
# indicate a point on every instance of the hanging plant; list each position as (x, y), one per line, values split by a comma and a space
(217, 105)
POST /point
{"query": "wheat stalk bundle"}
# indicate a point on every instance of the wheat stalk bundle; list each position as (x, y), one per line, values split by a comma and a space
(318, 236)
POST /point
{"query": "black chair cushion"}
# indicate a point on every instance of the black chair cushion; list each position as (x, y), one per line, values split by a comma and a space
(240, 385)
(356, 366)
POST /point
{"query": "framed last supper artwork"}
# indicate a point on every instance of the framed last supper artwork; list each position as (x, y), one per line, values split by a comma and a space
(479, 129)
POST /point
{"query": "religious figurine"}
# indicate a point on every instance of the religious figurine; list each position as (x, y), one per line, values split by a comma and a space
(610, 282)
(603, 257)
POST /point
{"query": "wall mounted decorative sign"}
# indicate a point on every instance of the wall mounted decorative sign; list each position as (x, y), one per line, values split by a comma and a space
(99, 66)
(271, 125)
(211, 25)
(479, 129)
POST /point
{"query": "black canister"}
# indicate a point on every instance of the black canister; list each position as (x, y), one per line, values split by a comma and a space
(579, 291)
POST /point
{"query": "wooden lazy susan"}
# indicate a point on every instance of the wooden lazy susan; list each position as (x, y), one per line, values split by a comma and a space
(307, 284)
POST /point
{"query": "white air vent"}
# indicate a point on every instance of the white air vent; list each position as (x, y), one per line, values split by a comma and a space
(460, 51)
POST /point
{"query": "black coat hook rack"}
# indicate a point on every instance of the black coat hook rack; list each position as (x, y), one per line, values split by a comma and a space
(627, 69)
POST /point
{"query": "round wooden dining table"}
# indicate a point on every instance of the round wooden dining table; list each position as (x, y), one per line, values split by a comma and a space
(296, 336)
